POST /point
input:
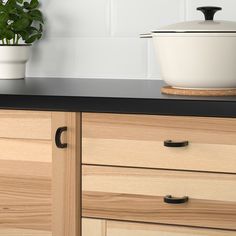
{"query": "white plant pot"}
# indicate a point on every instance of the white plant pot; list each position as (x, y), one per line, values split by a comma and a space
(13, 60)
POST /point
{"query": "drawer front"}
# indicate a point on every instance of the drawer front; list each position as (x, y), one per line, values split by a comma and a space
(131, 229)
(138, 195)
(96, 227)
(138, 140)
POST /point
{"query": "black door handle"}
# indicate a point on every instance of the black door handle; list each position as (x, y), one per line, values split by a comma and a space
(175, 200)
(170, 143)
(58, 142)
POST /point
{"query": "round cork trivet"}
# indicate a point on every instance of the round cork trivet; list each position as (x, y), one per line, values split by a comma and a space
(197, 92)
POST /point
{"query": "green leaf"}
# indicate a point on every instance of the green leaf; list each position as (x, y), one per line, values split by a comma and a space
(21, 24)
(20, 1)
(13, 17)
(24, 34)
(8, 34)
(32, 30)
(2, 8)
(26, 5)
(33, 38)
(10, 4)
(34, 4)
(36, 15)
(3, 18)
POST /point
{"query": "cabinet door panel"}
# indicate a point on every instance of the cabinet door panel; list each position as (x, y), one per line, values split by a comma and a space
(25, 173)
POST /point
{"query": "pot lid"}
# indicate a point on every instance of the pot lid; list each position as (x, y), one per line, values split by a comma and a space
(209, 25)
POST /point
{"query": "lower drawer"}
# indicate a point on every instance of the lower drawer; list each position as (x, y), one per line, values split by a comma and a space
(92, 227)
(138, 195)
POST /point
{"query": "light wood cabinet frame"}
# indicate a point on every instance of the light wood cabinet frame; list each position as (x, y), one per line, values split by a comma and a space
(66, 220)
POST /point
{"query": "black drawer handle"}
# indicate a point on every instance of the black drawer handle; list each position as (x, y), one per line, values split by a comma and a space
(58, 142)
(170, 143)
(175, 200)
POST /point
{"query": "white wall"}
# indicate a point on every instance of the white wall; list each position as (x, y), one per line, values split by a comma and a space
(100, 38)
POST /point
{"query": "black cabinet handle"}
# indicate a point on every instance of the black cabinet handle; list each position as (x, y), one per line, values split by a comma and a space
(58, 142)
(175, 200)
(170, 143)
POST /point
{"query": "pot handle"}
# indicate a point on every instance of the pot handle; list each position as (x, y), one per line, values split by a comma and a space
(209, 12)
(145, 36)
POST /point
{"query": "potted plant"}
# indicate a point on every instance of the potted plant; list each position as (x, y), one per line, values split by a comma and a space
(21, 24)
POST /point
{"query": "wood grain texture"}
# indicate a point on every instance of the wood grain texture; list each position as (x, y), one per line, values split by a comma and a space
(196, 185)
(137, 140)
(25, 169)
(25, 172)
(23, 232)
(25, 124)
(116, 228)
(25, 201)
(26, 150)
(152, 209)
(92, 227)
(160, 128)
(153, 154)
(66, 176)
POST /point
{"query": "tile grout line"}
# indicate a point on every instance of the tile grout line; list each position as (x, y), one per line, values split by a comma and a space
(110, 18)
(185, 9)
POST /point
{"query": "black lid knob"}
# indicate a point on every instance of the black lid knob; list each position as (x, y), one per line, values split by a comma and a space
(209, 12)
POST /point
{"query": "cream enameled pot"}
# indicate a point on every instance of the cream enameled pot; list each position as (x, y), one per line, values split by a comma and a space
(198, 54)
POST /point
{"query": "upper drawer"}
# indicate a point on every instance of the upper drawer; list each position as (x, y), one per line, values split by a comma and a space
(138, 140)
(25, 124)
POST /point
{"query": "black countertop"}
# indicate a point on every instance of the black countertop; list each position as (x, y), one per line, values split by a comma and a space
(103, 95)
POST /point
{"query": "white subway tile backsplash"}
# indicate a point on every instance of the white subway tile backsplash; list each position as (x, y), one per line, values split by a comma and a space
(129, 18)
(89, 58)
(77, 18)
(54, 57)
(227, 13)
(111, 58)
(99, 38)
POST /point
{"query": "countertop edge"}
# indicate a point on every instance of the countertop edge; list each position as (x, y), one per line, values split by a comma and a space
(177, 107)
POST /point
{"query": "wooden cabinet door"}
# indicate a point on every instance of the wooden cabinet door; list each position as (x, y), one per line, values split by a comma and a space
(36, 177)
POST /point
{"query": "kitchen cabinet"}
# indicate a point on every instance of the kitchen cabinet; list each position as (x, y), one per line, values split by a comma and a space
(79, 159)
(38, 179)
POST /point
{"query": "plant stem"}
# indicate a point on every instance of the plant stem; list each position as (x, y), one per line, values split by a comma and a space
(17, 38)
(14, 39)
